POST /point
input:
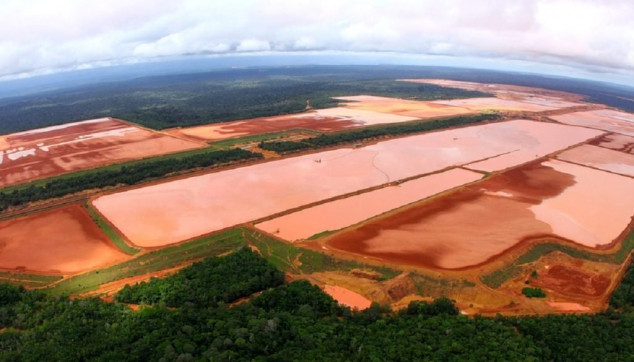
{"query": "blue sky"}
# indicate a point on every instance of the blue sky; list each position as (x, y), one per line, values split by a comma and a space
(581, 38)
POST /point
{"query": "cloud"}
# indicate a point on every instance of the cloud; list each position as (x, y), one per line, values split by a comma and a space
(253, 45)
(42, 35)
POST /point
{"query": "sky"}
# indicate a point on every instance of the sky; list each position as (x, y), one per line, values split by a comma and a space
(583, 38)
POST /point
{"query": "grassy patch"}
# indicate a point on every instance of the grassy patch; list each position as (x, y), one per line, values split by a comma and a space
(230, 143)
(28, 280)
(296, 260)
(533, 293)
(515, 268)
(498, 277)
(438, 287)
(321, 234)
(110, 232)
(166, 258)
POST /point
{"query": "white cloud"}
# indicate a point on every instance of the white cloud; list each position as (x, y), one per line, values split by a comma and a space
(253, 45)
(40, 35)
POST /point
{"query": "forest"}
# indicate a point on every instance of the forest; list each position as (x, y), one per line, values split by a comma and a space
(294, 321)
(207, 283)
(126, 175)
(230, 94)
(194, 99)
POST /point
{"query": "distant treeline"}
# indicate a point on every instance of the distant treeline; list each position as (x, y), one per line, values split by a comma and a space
(325, 140)
(292, 322)
(194, 99)
(125, 175)
(229, 94)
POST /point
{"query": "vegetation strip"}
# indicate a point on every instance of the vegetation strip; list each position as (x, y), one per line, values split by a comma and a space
(116, 239)
(127, 175)
(497, 278)
(28, 280)
(325, 140)
(298, 322)
(296, 260)
(154, 261)
(232, 142)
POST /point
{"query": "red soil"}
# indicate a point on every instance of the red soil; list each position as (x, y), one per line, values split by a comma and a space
(616, 142)
(59, 241)
(569, 307)
(347, 297)
(50, 151)
(254, 126)
(568, 280)
(481, 221)
(323, 120)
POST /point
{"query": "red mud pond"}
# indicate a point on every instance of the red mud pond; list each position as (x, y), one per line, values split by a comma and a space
(55, 150)
(601, 158)
(482, 220)
(170, 212)
(341, 213)
(526, 96)
(62, 241)
(402, 107)
(616, 142)
(325, 120)
(605, 119)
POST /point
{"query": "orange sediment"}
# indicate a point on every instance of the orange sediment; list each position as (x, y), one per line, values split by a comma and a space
(601, 158)
(345, 212)
(51, 151)
(347, 297)
(60, 241)
(479, 222)
(214, 201)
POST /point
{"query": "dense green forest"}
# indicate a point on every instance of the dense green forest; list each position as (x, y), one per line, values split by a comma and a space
(296, 321)
(126, 175)
(193, 99)
(325, 140)
(207, 283)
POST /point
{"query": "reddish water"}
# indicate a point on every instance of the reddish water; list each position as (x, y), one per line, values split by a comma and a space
(174, 211)
(483, 220)
(601, 158)
(345, 212)
(604, 119)
(63, 240)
